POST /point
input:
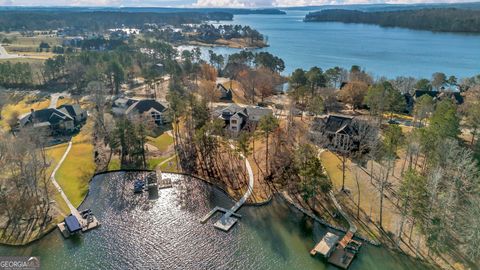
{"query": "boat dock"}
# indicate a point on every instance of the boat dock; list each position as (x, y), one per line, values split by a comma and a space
(78, 222)
(226, 222)
(326, 245)
(339, 253)
(163, 182)
(213, 211)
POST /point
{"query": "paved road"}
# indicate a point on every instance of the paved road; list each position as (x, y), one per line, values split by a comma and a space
(73, 209)
(5, 55)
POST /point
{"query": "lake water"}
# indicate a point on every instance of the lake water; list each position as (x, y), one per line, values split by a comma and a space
(387, 52)
(138, 233)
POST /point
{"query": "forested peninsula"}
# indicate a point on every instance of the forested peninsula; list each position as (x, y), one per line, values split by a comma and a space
(437, 20)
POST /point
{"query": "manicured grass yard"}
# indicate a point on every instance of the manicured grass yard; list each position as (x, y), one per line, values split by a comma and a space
(55, 153)
(162, 142)
(75, 173)
(333, 166)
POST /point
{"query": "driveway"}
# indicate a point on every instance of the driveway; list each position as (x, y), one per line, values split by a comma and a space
(5, 55)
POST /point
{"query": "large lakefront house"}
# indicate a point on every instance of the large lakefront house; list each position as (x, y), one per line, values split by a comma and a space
(336, 132)
(239, 118)
(148, 109)
(54, 121)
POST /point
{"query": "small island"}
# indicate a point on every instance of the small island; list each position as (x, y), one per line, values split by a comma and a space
(431, 19)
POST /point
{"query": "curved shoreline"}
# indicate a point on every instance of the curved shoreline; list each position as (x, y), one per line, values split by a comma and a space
(259, 204)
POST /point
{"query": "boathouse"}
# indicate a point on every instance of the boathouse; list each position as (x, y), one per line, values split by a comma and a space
(327, 245)
(72, 224)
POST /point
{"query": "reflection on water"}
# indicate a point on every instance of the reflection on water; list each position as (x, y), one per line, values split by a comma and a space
(138, 233)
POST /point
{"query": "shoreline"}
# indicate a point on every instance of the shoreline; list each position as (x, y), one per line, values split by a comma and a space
(283, 195)
(225, 44)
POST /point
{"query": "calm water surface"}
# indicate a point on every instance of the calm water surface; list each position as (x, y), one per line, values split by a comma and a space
(138, 233)
(387, 52)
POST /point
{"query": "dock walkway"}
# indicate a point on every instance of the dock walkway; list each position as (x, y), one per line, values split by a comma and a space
(86, 225)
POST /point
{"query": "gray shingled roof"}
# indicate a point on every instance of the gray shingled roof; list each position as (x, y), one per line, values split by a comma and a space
(258, 111)
(335, 123)
(50, 115)
(246, 112)
(145, 105)
(72, 110)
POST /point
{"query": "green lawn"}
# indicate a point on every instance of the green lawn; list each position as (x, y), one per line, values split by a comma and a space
(78, 168)
(55, 153)
(162, 142)
(114, 164)
(170, 166)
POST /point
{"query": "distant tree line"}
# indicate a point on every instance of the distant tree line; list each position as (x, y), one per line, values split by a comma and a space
(98, 20)
(438, 20)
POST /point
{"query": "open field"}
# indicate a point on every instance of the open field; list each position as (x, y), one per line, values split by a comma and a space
(28, 46)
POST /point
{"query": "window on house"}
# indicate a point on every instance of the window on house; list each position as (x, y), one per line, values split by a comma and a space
(157, 117)
(234, 122)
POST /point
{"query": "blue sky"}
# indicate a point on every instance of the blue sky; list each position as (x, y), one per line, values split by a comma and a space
(205, 3)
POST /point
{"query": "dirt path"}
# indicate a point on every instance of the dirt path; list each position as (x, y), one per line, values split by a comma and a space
(55, 183)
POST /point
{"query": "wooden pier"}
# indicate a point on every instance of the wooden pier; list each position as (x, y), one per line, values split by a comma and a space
(226, 222)
(213, 211)
(164, 183)
(339, 253)
(341, 258)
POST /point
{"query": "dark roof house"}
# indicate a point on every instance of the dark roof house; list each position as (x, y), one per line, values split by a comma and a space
(148, 108)
(237, 117)
(145, 105)
(61, 120)
(75, 111)
(338, 124)
(337, 133)
(55, 119)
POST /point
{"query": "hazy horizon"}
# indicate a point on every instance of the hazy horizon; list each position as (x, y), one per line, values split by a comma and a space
(211, 3)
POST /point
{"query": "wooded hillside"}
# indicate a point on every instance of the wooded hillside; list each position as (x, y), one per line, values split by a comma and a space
(439, 20)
